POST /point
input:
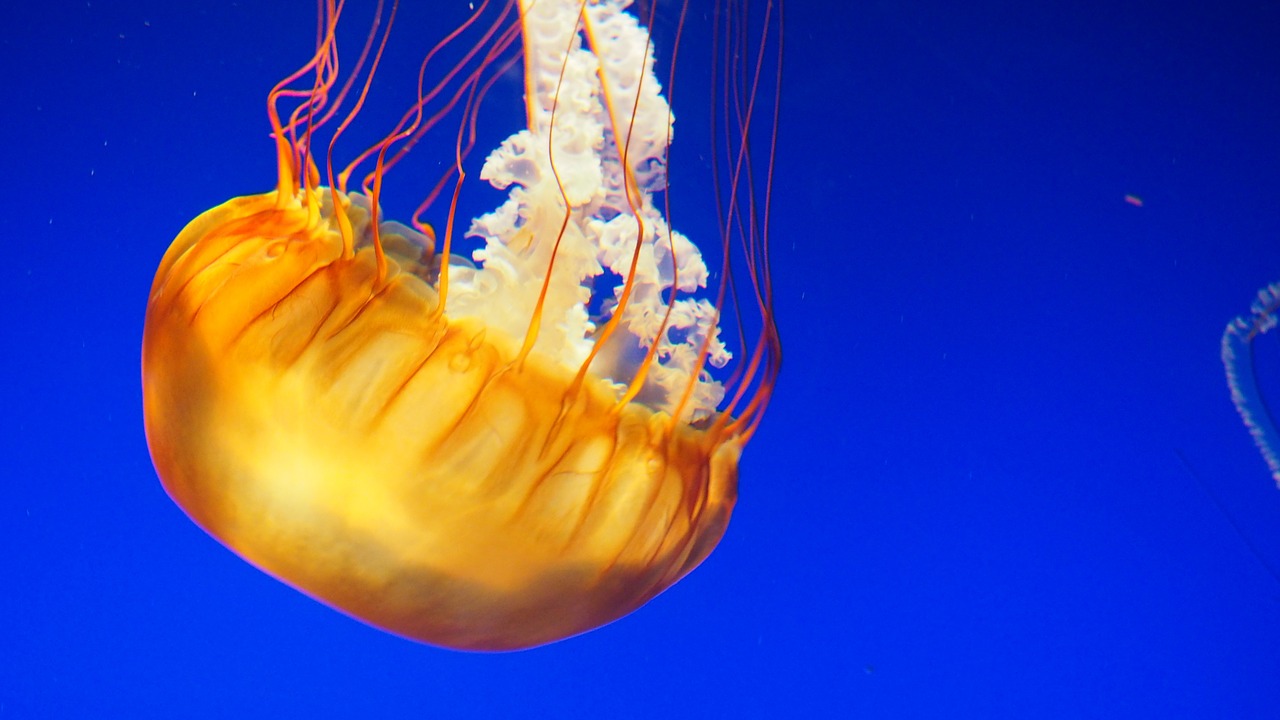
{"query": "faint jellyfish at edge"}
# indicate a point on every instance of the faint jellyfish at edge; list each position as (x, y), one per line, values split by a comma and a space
(1237, 358)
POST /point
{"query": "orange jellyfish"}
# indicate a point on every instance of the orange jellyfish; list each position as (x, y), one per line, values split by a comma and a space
(485, 455)
(1237, 358)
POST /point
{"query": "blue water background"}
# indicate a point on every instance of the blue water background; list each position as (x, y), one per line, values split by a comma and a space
(1001, 476)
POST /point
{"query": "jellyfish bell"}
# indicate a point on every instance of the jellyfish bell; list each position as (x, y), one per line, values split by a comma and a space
(474, 455)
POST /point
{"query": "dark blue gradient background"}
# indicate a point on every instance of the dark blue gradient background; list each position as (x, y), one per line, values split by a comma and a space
(1001, 476)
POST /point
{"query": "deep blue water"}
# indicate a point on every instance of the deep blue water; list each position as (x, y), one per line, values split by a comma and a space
(1001, 475)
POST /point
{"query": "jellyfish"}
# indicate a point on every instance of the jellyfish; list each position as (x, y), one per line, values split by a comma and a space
(1237, 358)
(496, 452)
